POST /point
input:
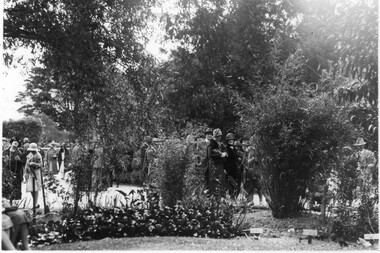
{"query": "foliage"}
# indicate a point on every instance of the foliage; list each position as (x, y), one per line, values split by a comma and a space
(290, 136)
(341, 37)
(121, 134)
(331, 30)
(178, 171)
(227, 49)
(53, 187)
(80, 42)
(26, 127)
(8, 187)
(357, 202)
(141, 218)
(173, 162)
(50, 131)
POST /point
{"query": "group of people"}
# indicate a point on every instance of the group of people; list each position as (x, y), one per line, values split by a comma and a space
(230, 166)
(24, 161)
(24, 166)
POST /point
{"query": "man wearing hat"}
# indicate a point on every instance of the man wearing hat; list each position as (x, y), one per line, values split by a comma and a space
(366, 162)
(365, 157)
(202, 155)
(217, 174)
(208, 135)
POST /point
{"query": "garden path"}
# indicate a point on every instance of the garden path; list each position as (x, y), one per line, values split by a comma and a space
(110, 197)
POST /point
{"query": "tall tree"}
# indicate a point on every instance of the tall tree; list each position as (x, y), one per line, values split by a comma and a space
(83, 42)
(228, 49)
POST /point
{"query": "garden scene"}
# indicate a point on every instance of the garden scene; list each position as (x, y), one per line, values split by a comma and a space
(191, 125)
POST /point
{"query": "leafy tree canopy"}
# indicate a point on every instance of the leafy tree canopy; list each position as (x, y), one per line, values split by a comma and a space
(227, 50)
(27, 127)
(81, 41)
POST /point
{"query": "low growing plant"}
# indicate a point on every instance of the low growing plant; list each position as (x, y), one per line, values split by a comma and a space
(145, 218)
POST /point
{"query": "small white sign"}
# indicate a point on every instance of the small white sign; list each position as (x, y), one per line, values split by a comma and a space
(371, 236)
(256, 230)
(312, 232)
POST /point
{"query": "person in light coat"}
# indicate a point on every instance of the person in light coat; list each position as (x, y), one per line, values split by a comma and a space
(33, 172)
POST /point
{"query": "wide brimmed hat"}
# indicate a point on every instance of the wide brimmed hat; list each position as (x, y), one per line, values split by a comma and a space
(208, 131)
(230, 136)
(33, 147)
(217, 132)
(360, 142)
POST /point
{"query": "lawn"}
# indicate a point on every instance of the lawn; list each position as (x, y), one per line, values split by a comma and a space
(188, 243)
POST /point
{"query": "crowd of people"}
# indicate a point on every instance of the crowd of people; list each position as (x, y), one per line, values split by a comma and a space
(25, 161)
(230, 165)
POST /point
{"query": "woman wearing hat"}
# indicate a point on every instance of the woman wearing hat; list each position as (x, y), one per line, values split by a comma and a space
(33, 172)
(12, 162)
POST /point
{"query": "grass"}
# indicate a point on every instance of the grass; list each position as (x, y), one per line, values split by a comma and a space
(188, 243)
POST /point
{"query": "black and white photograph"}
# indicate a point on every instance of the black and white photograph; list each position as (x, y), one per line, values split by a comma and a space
(189, 125)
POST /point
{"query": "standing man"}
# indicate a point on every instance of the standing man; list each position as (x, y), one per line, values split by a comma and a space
(203, 155)
(366, 164)
(217, 174)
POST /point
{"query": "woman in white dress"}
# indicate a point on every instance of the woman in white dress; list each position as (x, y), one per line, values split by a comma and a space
(33, 172)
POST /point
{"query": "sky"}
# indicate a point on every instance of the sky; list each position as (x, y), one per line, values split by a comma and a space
(12, 83)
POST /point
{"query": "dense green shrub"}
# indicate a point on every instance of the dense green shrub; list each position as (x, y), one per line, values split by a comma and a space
(291, 134)
(170, 170)
(178, 172)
